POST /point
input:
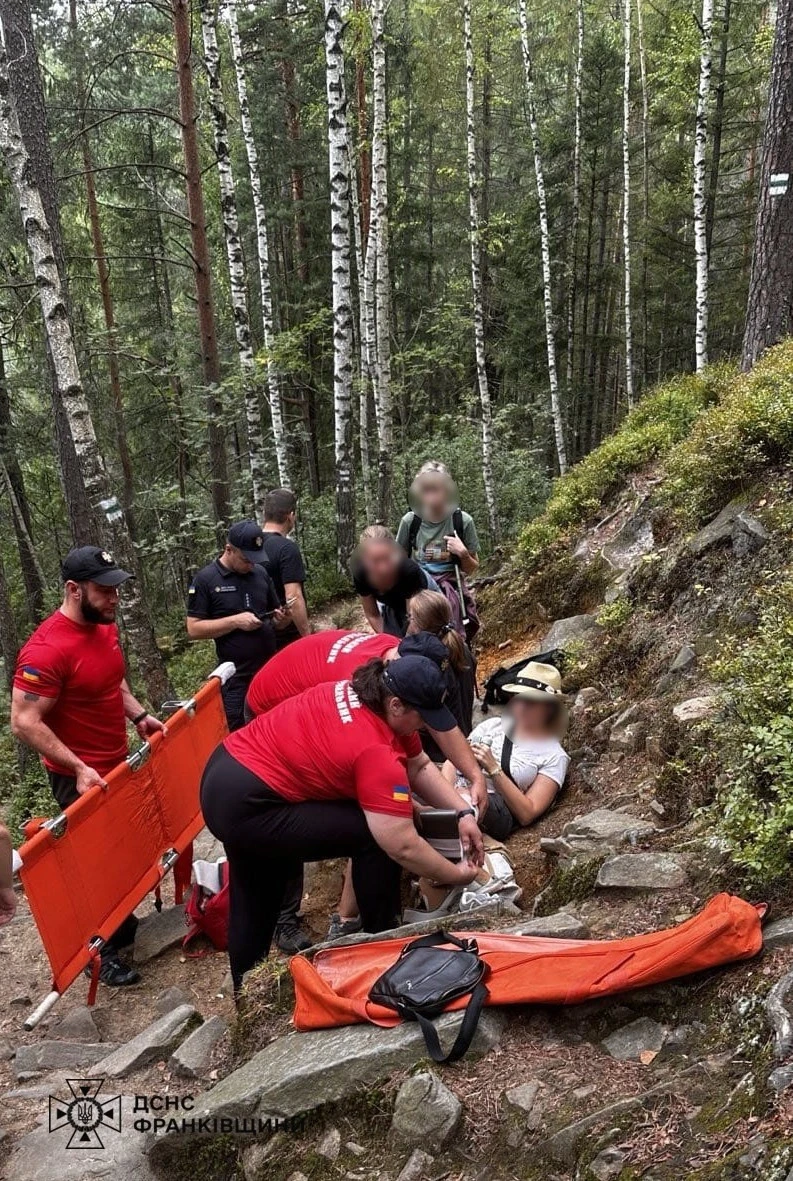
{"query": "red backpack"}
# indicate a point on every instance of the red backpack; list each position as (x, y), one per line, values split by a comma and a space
(208, 914)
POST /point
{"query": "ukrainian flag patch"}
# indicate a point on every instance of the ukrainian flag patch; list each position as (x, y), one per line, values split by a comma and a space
(401, 795)
(30, 674)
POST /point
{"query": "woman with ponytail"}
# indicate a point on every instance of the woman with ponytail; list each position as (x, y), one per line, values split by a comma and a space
(429, 611)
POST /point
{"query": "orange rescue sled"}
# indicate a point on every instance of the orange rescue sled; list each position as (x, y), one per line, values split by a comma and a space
(333, 989)
(87, 869)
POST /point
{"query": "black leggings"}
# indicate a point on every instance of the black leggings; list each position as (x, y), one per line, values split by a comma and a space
(266, 838)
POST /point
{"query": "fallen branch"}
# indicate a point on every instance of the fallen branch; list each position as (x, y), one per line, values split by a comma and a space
(779, 1017)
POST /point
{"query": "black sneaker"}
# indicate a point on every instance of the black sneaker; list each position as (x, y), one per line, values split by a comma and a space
(114, 972)
(290, 939)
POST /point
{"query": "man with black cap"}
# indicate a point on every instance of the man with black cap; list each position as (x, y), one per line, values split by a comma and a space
(71, 701)
(233, 601)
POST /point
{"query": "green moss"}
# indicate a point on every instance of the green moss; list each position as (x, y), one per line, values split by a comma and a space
(570, 883)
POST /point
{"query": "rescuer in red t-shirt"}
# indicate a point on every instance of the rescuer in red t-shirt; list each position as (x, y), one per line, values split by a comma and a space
(330, 773)
(71, 701)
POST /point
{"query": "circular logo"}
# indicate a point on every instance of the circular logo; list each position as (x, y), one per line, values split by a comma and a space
(84, 1114)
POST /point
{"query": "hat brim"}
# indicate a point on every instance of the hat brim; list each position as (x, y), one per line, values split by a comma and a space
(533, 694)
(111, 577)
(441, 718)
(257, 556)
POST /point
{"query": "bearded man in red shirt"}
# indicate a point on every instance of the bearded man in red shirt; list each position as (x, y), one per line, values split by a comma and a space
(71, 701)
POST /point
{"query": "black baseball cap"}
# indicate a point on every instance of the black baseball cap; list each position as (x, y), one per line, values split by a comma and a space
(425, 644)
(89, 563)
(248, 538)
(419, 682)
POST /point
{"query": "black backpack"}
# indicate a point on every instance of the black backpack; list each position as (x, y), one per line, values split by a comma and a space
(505, 675)
(415, 525)
(428, 975)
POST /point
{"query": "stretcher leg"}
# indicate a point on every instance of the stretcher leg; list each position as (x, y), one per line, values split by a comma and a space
(49, 1002)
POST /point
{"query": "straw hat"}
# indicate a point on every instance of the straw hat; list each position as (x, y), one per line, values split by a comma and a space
(539, 682)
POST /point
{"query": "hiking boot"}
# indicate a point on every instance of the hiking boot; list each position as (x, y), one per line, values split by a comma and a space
(124, 936)
(340, 927)
(114, 972)
(290, 939)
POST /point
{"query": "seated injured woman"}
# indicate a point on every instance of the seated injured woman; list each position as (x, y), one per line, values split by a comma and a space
(521, 753)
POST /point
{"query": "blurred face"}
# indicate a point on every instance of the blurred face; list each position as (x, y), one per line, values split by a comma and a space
(402, 718)
(234, 559)
(98, 604)
(434, 494)
(533, 717)
(381, 564)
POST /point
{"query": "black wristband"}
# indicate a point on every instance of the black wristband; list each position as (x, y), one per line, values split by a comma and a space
(465, 812)
(136, 721)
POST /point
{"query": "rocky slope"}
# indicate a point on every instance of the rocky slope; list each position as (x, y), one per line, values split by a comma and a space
(659, 574)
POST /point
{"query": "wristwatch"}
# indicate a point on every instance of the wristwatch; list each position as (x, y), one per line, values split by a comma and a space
(466, 812)
(137, 720)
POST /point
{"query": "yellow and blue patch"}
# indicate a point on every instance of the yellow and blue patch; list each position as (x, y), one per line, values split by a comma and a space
(30, 674)
(401, 795)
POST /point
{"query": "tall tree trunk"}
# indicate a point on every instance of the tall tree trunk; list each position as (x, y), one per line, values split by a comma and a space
(296, 179)
(364, 343)
(378, 226)
(109, 521)
(769, 311)
(626, 201)
(700, 178)
(645, 185)
(476, 280)
(28, 97)
(718, 127)
(238, 280)
(362, 128)
(210, 357)
(105, 291)
(229, 14)
(339, 172)
(545, 241)
(572, 251)
(32, 575)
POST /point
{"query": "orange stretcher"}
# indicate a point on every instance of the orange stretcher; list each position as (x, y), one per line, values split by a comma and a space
(85, 870)
(333, 989)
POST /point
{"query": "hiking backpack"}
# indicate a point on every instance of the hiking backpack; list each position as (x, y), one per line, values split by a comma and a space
(416, 522)
(208, 914)
(505, 675)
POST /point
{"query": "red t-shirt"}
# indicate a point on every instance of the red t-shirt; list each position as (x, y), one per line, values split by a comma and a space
(324, 745)
(314, 660)
(81, 665)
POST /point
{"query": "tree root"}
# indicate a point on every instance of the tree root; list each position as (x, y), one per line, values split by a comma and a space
(779, 1016)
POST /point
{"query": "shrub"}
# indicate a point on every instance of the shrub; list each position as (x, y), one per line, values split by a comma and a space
(659, 421)
(756, 799)
(614, 616)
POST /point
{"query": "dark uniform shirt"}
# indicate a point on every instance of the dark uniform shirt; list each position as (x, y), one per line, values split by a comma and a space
(216, 593)
(284, 564)
(409, 581)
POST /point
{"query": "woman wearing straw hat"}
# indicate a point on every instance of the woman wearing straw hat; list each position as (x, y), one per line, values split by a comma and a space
(520, 753)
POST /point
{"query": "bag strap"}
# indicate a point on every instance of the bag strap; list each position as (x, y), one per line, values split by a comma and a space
(413, 532)
(506, 755)
(438, 939)
(465, 1034)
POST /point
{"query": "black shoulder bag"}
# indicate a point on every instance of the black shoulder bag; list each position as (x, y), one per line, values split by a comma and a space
(431, 972)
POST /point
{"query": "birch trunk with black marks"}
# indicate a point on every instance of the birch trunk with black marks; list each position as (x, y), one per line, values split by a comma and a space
(575, 217)
(364, 375)
(238, 279)
(700, 187)
(210, 357)
(380, 272)
(626, 201)
(339, 173)
(229, 16)
(545, 240)
(109, 525)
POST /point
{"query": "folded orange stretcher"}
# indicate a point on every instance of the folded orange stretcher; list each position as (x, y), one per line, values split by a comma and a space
(333, 989)
(86, 870)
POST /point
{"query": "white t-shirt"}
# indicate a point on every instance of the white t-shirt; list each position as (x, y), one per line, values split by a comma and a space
(530, 756)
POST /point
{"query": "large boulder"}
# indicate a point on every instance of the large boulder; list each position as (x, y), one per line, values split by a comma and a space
(426, 1112)
(695, 709)
(572, 630)
(719, 531)
(779, 933)
(642, 871)
(78, 1025)
(560, 925)
(41, 1153)
(41, 1057)
(748, 535)
(152, 1045)
(629, 546)
(193, 1056)
(157, 932)
(608, 827)
(628, 732)
(629, 1043)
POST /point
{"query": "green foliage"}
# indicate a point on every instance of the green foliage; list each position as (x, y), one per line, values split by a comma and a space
(614, 616)
(660, 420)
(756, 800)
(729, 446)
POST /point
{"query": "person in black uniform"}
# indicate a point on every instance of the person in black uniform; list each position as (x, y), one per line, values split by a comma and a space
(385, 579)
(285, 562)
(233, 601)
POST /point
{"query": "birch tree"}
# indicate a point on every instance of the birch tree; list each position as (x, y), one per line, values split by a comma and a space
(578, 94)
(238, 280)
(700, 186)
(364, 346)
(626, 200)
(545, 239)
(476, 279)
(229, 16)
(339, 172)
(379, 268)
(109, 524)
